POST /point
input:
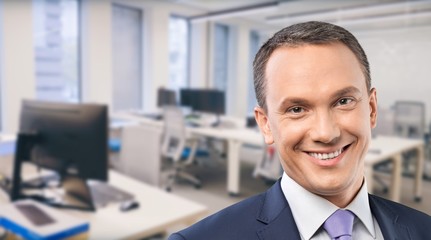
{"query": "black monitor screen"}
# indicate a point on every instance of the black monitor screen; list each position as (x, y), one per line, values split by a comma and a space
(70, 137)
(204, 100)
(166, 97)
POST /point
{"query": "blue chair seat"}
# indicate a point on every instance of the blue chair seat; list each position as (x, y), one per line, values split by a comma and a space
(114, 145)
(199, 153)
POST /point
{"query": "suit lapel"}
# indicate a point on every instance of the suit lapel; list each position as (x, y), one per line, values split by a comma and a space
(388, 220)
(275, 212)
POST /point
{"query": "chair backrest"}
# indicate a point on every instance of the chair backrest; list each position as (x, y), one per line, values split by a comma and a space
(385, 122)
(140, 153)
(409, 119)
(174, 133)
(269, 166)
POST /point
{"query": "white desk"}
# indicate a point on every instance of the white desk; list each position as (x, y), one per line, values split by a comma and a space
(384, 148)
(158, 209)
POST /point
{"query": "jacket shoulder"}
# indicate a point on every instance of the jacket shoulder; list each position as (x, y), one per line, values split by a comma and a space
(419, 223)
(237, 221)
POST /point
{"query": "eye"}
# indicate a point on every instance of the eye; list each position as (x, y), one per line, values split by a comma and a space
(344, 101)
(295, 110)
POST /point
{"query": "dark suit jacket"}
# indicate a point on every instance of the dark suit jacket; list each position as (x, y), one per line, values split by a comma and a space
(268, 216)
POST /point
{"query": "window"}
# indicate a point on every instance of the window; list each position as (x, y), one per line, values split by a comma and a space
(56, 35)
(127, 57)
(1, 82)
(254, 47)
(221, 50)
(178, 52)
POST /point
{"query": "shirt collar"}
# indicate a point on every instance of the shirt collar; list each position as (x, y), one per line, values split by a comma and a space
(309, 219)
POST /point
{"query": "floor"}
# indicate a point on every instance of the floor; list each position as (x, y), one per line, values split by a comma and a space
(213, 192)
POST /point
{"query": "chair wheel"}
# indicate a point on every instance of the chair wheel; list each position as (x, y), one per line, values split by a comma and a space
(168, 189)
(198, 186)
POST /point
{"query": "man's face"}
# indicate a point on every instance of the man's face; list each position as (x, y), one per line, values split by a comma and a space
(319, 115)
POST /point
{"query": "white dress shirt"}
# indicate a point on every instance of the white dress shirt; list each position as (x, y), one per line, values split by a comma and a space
(310, 212)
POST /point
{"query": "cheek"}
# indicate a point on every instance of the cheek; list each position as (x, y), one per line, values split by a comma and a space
(357, 127)
(358, 122)
(288, 135)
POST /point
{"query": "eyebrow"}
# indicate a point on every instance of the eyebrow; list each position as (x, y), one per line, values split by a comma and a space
(305, 102)
(345, 91)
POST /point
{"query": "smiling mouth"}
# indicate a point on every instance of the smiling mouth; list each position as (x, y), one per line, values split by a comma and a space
(327, 156)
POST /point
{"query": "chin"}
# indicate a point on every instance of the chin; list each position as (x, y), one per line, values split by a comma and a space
(331, 186)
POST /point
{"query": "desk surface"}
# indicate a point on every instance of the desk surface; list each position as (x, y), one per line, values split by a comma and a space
(383, 147)
(158, 211)
(391, 148)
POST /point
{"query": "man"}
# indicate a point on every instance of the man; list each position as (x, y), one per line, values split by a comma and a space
(317, 106)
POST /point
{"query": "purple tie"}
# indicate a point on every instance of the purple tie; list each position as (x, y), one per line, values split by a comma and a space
(340, 225)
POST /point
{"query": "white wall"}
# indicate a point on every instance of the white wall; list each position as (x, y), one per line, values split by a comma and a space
(199, 62)
(156, 53)
(400, 64)
(17, 60)
(237, 93)
(97, 52)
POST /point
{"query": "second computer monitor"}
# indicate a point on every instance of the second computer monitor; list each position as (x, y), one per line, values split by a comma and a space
(166, 97)
(204, 100)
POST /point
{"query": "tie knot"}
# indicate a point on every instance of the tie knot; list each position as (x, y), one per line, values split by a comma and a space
(340, 224)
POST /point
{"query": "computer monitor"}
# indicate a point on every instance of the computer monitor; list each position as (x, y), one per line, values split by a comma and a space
(71, 139)
(166, 97)
(204, 100)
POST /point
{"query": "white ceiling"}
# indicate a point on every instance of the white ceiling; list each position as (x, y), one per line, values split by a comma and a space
(354, 14)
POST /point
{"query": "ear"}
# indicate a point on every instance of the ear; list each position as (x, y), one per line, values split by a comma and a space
(373, 107)
(263, 122)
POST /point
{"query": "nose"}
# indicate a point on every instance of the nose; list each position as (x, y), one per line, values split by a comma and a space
(325, 128)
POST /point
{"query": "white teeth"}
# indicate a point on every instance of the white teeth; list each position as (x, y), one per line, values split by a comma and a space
(325, 156)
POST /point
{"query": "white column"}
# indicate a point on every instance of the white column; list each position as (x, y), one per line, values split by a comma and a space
(96, 52)
(17, 60)
(199, 52)
(237, 93)
(156, 61)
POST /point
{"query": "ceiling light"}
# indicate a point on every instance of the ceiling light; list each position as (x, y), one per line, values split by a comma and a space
(384, 19)
(235, 12)
(352, 13)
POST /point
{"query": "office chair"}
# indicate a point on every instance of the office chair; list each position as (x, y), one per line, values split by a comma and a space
(268, 167)
(177, 147)
(409, 119)
(409, 122)
(384, 127)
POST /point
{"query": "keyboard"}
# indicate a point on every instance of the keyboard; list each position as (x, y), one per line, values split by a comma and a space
(103, 194)
(36, 215)
(154, 116)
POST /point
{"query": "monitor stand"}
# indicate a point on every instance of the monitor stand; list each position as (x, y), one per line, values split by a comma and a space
(24, 145)
(94, 193)
(78, 188)
(217, 121)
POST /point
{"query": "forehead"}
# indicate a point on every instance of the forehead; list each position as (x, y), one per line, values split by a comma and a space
(301, 69)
